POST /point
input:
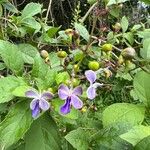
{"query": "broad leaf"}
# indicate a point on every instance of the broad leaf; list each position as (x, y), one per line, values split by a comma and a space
(82, 31)
(8, 85)
(124, 23)
(123, 113)
(28, 52)
(30, 10)
(44, 75)
(62, 77)
(145, 51)
(11, 56)
(43, 135)
(136, 134)
(142, 87)
(15, 125)
(78, 139)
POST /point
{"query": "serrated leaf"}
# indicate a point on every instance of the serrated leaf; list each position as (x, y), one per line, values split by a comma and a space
(15, 125)
(30, 10)
(7, 86)
(28, 52)
(136, 134)
(145, 51)
(43, 135)
(11, 56)
(123, 113)
(31, 23)
(82, 31)
(43, 74)
(62, 77)
(78, 139)
(141, 85)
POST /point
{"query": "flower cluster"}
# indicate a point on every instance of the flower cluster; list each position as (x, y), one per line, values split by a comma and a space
(70, 95)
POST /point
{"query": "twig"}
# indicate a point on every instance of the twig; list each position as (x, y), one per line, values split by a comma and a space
(49, 11)
(88, 12)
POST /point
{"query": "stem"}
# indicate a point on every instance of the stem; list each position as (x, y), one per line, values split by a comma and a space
(88, 12)
(49, 11)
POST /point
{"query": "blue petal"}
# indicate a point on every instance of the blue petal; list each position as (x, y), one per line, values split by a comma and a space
(91, 92)
(65, 109)
(91, 76)
(36, 111)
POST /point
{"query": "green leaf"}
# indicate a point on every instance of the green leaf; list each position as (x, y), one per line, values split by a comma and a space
(141, 85)
(123, 113)
(143, 144)
(129, 37)
(124, 23)
(62, 77)
(20, 90)
(9, 52)
(145, 51)
(40, 68)
(8, 85)
(31, 23)
(82, 31)
(43, 135)
(7, 5)
(28, 52)
(43, 74)
(52, 31)
(15, 125)
(30, 10)
(136, 134)
(78, 139)
(54, 60)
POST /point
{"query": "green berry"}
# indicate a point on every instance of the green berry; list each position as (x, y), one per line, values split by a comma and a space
(107, 47)
(61, 54)
(93, 65)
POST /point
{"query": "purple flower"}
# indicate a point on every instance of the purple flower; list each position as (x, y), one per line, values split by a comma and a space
(39, 101)
(91, 77)
(71, 98)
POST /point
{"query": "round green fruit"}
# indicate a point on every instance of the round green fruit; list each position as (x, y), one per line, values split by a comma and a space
(107, 47)
(128, 53)
(93, 65)
(62, 54)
